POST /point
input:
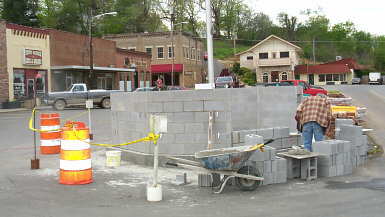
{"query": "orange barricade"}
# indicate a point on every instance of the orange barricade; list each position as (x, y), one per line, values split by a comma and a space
(75, 155)
(50, 140)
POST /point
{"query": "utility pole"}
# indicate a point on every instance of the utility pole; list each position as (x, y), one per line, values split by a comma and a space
(172, 45)
(209, 37)
(91, 52)
(313, 51)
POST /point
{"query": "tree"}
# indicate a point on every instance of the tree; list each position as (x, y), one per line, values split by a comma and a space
(379, 53)
(289, 25)
(23, 12)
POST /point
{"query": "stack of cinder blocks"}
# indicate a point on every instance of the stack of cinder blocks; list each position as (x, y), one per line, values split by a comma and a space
(280, 135)
(336, 157)
(359, 143)
(271, 167)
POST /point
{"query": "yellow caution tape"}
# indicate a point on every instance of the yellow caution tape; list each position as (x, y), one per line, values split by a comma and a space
(150, 137)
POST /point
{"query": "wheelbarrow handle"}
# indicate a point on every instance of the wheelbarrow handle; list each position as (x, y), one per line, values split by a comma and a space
(269, 141)
(172, 164)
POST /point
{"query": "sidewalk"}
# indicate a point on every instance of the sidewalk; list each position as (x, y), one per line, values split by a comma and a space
(23, 109)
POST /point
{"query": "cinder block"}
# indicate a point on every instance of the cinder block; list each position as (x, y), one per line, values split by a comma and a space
(340, 122)
(267, 133)
(268, 179)
(153, 107)
(274, 166)
(201, 117)
(327, 171)
(243, 133)
(339, 159)
(195, 128)
(193, 106)
(175, 128)
(280, 177)
(325, 147)
(325, 161)
(281, 132)
(260, 156)
(277, 143)
(267, 166)
(182, 117)
(253, 139)
(281, 164)
(348, 169)
(215, 106)
(173, 107)
(235, 137)
(340, 170)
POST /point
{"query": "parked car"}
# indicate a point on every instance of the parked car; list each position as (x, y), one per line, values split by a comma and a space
(307, 88)
(375, 78)
(356, 80)
(78, 94)
(144, 89)
(224, 82)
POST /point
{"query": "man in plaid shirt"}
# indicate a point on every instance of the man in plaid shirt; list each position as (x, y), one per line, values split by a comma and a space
(314, 115)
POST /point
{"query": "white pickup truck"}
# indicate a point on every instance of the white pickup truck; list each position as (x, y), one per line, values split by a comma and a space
(375, 78)
(77, 95)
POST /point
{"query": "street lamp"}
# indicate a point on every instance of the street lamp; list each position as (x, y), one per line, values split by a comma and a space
(90, 39)
(172, 46)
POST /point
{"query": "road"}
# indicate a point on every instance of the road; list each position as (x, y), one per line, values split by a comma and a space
(121, 191)
(373, 98)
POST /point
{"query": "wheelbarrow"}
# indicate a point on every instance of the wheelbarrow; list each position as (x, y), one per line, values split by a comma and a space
(229, 162)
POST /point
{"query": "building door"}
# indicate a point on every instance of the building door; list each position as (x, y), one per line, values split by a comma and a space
(274, 76)
(136, 79)
(311, 79)
(30, 88)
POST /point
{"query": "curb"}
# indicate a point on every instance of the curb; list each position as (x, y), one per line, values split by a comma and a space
(22, 109)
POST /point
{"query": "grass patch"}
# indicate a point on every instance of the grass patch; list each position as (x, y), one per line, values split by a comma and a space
(224, 49)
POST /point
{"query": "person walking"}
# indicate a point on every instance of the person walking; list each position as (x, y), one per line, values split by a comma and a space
(313, 118)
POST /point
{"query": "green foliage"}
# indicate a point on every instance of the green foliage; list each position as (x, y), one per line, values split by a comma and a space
(236, 69)
(225, 48)
(23, 12)
(248, 77)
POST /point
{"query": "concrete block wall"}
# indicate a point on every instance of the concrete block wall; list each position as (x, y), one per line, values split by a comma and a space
(338, 157)
(281, 136)
(187, 113)
(359, 142)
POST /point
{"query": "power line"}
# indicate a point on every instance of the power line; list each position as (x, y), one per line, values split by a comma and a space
(298, 41)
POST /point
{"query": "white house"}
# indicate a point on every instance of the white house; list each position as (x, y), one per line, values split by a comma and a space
(272, 59)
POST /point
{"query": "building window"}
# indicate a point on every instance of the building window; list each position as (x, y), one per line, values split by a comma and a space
(263, 55)
(170, 52)
(160, 53)
(126, 61)
(284, 54)
(321, 78)
(265, 77)
(329, 77)
(199, 55)
(297, 77)
(249, 57)
(149, 51)
(193, 53)
(336, 77)
(284, 76)
(18, 83)
(342, 77)
(185, 52)
(274, 55)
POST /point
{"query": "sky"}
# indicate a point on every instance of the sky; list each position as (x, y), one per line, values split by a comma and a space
(367, 15)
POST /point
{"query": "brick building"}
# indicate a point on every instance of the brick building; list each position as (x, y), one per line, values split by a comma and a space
(141, 61)
(25, 62)
(186, 65)
(70, 61)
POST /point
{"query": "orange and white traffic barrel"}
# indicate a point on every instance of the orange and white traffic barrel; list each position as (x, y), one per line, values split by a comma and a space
(75, 155)
(50, 135)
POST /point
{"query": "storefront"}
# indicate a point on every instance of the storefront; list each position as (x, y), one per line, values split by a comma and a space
(166, 72)
(105, 77)
(28, 61)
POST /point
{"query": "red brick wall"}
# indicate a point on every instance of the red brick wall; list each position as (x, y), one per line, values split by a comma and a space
(73, 49)
(4, 91)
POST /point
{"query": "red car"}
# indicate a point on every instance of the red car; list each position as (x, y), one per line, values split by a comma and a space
(307, 89)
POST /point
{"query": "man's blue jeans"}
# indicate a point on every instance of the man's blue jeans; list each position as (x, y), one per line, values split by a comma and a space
(309, 129)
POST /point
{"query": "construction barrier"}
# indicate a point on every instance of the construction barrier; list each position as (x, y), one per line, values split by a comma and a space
(50, 134)
(75, 155)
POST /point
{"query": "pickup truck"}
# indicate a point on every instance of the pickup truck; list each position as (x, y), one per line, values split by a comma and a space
(307, 88)
(77, 95)
(375, 78)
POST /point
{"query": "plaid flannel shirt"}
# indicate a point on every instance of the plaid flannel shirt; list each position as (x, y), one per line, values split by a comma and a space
(315, 108)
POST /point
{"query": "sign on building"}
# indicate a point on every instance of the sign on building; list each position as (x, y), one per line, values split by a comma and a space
(32, 57)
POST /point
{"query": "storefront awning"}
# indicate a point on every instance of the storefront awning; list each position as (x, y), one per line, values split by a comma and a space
(108, 69)
(166, 68)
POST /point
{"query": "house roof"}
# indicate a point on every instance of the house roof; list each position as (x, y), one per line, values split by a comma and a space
(330, 68)
(352, 63)
(266, 39)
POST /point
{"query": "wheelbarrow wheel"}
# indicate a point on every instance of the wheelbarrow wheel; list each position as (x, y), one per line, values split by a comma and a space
(247, 184)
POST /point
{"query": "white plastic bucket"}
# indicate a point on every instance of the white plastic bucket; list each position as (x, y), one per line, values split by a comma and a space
(154, 194)
(113, 158)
